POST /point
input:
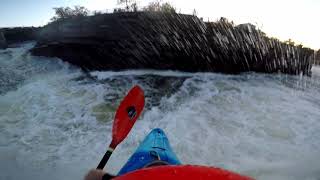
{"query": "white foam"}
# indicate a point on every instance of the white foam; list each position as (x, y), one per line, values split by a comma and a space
(266, 126)
(316, 70)
(108, 74)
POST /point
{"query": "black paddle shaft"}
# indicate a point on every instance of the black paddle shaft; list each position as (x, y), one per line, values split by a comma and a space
(105, 159)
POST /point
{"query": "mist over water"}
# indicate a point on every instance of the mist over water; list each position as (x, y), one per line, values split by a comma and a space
(55, 120)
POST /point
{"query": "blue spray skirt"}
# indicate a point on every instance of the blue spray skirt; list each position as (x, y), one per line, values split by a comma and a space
(155, 146)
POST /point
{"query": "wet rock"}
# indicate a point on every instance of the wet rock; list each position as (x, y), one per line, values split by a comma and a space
(3, 42)
(317, 58)
(18, 34)
(145, 40)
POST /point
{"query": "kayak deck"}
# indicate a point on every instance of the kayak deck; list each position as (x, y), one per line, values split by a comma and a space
(155, 146)
(182, 172)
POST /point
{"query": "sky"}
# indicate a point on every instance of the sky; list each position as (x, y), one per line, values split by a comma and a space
(298, 20)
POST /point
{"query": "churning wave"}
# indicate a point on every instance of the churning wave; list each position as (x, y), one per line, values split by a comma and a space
(55, 120)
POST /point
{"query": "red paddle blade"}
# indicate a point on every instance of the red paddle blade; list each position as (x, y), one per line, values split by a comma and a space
(127, 114)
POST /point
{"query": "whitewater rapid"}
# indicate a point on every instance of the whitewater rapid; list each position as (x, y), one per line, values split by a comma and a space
(55, 120)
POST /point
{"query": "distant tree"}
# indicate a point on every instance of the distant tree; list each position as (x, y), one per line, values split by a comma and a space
(80, 11)
(61, 13)
(127, 3)
(290, 42)
(158, 7)
(168, 8)
(117, 10)
(97, 12)
(300, 45)
(67, 12)
(134, 7)
(194, 13)
(130, 5)
(153, 6)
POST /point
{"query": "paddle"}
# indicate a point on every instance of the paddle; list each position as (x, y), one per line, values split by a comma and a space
(128, 112)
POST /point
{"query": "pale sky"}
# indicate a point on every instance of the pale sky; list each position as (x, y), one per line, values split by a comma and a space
(298, 20)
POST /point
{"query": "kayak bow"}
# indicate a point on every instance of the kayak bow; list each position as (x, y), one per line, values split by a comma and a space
(183, 172)
(155, 147)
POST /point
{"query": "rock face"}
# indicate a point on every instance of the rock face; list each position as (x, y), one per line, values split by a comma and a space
(168, 41)
(19, 34)
(317, 59)
(3, 42)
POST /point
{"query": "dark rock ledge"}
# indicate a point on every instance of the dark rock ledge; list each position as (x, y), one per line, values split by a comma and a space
(146, 40)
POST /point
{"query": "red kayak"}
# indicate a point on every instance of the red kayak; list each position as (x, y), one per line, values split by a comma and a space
(155, 148)
(185, 172)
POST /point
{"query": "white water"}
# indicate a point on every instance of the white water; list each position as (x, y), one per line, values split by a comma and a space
(55, 121)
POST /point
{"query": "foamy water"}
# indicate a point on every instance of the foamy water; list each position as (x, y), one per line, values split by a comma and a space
(55, 121)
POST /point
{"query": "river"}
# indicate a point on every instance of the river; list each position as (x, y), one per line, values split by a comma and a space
(55, 120)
